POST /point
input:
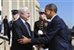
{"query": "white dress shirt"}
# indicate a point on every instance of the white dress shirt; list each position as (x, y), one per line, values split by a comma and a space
(49, 20)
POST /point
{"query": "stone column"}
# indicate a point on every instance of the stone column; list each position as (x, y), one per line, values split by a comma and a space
(20, 3)
(15, 4)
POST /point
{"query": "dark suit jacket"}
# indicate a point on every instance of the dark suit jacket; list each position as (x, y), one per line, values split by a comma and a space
(19, 29)
(56, 36)
(6, 28)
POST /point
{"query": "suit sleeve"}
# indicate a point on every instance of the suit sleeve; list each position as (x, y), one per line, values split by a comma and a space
(17, 33)
(48, 36)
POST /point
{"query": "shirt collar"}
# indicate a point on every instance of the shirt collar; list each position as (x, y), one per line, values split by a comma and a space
(49, 20)
(23, 20)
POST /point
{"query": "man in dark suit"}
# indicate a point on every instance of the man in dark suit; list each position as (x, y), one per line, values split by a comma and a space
(56, 32)
(21, 28)
(6, 27)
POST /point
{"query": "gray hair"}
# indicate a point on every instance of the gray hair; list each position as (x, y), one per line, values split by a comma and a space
(23, 9)
(52, 7)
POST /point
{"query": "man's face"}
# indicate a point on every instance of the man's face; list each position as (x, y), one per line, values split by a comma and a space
(25, 15)
(43, 17)
(15, 17)
(48, 13)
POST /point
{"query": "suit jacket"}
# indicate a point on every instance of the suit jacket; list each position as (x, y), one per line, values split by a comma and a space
(19, 29)
(6, 28)
(56, 35)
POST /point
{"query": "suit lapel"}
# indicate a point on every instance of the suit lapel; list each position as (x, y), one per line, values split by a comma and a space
(21, 23)
(23, 26)
(55, 18)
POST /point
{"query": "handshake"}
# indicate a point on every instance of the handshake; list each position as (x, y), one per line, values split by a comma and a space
(24, 40)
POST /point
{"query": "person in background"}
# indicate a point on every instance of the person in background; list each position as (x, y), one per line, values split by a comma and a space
(6, 27)
(15, 16)
(39, 29)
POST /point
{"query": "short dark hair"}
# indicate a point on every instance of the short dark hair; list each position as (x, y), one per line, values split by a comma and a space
(52, 7)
